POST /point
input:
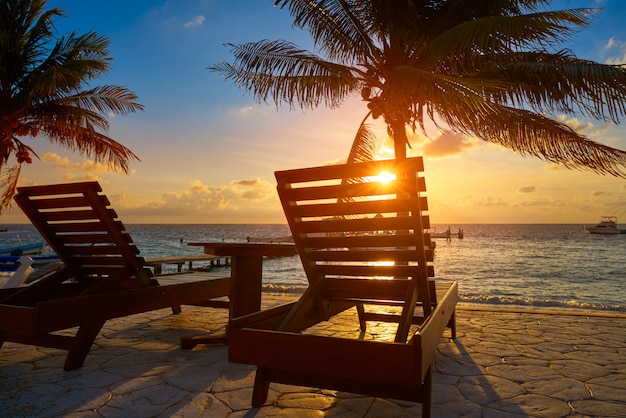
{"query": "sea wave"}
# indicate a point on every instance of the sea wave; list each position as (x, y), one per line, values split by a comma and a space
(283, 289)
(507, 301)
(485, 300)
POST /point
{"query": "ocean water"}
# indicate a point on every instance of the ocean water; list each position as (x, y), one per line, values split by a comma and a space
(547, 266)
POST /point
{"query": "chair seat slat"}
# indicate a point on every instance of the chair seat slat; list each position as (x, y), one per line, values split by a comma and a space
(359, 241)
(376, 272)
(366, 255)
(372, 225)
(67, 203)
(74, 215)
(343, 191)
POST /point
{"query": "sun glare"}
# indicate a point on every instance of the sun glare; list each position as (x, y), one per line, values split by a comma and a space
(384, 177)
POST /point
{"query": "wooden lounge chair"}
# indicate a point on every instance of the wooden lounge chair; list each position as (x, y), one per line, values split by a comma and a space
(362, 243)
(102, 277)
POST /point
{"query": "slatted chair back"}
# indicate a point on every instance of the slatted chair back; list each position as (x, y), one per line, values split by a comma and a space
(77, 222)
(361, 232)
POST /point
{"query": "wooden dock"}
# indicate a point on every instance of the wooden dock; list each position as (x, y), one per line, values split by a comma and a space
(213, 261)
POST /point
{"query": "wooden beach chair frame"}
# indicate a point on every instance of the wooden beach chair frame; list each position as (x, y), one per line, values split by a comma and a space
(102, 277)
(361, 243)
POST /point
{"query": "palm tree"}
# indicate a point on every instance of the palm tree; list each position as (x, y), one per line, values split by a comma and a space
(490, 69)
(45, 91)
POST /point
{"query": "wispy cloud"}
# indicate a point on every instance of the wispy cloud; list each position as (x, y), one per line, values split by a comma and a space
(195, 22)
(542, 202)
(64, 163)
(527, 189)
(448, 143)
(66, 170)
(583, 127)
(600, 193)
(615, 51)
(490, 201)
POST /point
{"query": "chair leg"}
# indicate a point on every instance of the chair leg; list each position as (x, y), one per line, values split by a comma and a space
(452, 325)
(261, 388)
(361, 311)
(83, 341)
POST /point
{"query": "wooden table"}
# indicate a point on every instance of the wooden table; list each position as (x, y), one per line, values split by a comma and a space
(246, 279)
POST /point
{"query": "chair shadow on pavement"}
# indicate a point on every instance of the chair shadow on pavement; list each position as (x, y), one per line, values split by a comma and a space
(136, 364)
(462, 386)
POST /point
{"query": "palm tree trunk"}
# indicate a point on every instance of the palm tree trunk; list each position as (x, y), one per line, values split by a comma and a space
(400, 139)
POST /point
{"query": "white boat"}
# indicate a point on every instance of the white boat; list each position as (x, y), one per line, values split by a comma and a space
(447, 234)
(607, 226)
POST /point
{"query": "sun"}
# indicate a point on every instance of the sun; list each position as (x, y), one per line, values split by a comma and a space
(384, 177)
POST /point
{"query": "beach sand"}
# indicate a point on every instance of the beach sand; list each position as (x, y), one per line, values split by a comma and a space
(502, 364)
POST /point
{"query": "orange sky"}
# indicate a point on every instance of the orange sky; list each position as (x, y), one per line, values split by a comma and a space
(209, 151)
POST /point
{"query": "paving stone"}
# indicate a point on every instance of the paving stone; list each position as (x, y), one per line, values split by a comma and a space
(609, 388)
(598, 408)
(527, 371)
(306, 400)
(533, 405)
(486, 389)
(458, 409)
(564, 389)
(203, 405)
(349, 407)
(388, 409)
(579, 370)
(502, 364)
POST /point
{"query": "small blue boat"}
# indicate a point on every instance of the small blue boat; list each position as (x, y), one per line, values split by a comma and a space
(16, 246)
(11, 263)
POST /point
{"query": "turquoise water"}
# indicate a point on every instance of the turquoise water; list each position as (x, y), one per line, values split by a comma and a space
(550, 266)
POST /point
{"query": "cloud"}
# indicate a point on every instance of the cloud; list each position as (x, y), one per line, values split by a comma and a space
(448, 143)
(202, 202)
(195, 22)
(70, 177)
(526, 189)
(64, 163)
(609, 44)
(615, 51)
(600, 193)
(255, 189)
(542, 202)
(490, 201)
(586, 128)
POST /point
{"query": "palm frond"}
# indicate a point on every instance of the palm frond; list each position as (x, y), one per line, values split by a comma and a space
(528, 133)
(8, 185)
(104, 99)
(278, 71)
(87, 141)
(334, 26)
(45, 87)
(413, 91)
(475, 38)
(561, 83)
(364, 146)
(439, 17)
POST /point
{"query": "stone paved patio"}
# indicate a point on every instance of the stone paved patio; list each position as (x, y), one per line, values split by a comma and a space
(502, 364)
